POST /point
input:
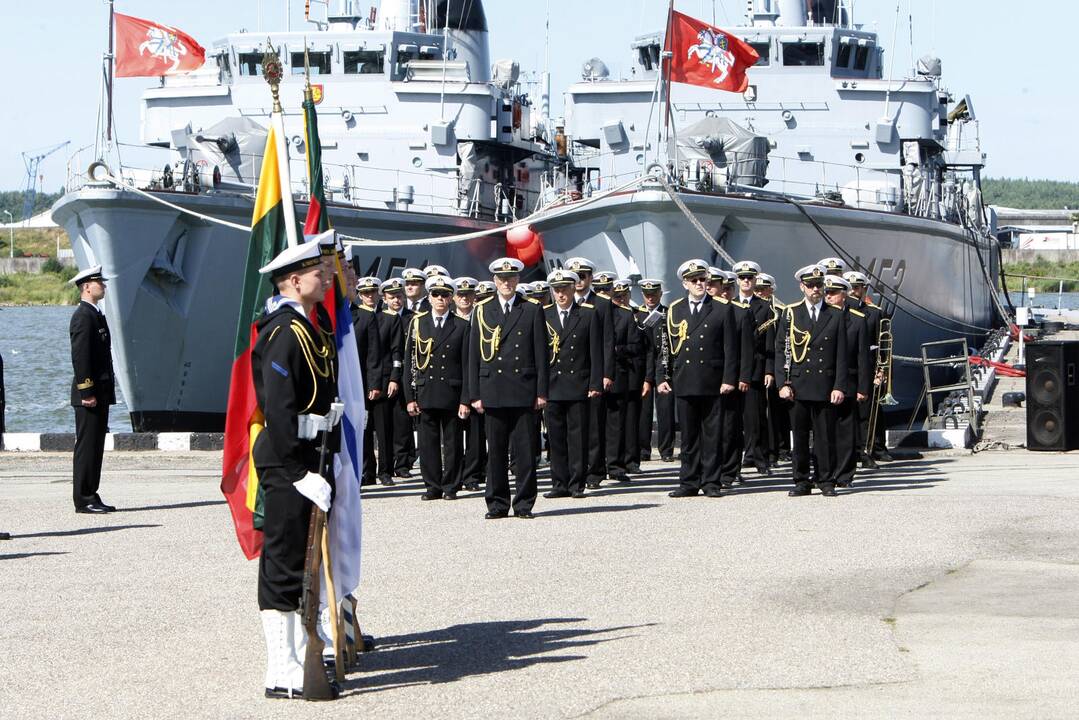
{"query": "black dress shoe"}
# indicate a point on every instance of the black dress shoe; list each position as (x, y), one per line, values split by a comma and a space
(645, 458)
(387, 481)
(764, 470)
(784, 457)
(828, 490)
(5, 536)
(843, 483)
(884, 456)
(712, 492)
(525, 515)
(107, 508)
(403, 473)
(620, 478)
(367, 481)
(430, 496)
(725, 484)
(682, 492)
(592, 485)
(869, 463)
(91, 509)
(277, 693)
(667, 458)
(472, 486)
(633, 468)
(577, 494)
(451, 495)
(799, 491)
(556, 494)
(368, 643)
(495, 515)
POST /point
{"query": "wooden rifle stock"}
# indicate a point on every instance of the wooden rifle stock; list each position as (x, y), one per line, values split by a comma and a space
(316, 686)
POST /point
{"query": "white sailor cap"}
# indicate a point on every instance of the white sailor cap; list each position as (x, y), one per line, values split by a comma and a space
(650, 285)
(603, 279)
(91, 273)
(692, 267)
(466, 284)
(834, 282)
(561, 278)
(506, 266)
(855, 278)
(413, 274)
(327, 241)
(440, 282)
(622, 285)
(291, 259)
(485, 287)
(765, 280)
(367, 284)
(432, 270)
(577, 264)
(834, 265)
(746, 268)
(810, 272)
(393, 285)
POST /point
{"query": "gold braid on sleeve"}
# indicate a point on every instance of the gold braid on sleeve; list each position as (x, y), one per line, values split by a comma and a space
(554, 342)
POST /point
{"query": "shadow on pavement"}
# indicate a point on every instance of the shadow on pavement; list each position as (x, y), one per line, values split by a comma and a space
(81, 531)
(471, 649)
(595, 509)
(19, 556)
(173, 506)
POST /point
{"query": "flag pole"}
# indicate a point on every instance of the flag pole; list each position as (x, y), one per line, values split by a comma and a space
(272, 71)
(109, 73)
(665, 69)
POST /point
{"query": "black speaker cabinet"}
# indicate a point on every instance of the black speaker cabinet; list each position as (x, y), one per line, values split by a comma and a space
(1053, 395)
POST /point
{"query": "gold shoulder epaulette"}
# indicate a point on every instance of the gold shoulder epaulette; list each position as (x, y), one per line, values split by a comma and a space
(605, 296)
(485, 301)
(778, 305)
(642, 308)
(590, 306)
(389, 312)
(367, 309)
(739, 304)
(857, 313)
(870, 303)
(718, 299)
(671, 306)
(549, 305)
(534, 301)
(420, 314)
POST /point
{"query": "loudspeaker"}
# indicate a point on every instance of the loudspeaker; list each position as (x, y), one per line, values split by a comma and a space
(1053, 395)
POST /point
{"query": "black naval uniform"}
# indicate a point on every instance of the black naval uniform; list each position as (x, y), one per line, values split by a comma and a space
(91, 360)
(733, 439)
(508, 377)
(293, 372)
(597, 423)
(873, 316)
(628, 377)
(383, 411)
(404, 426)
(369, 347)
(813, 376)
(474, 470)
(576, 369)
(754, 416)
(703, 356)
(779, 418)
(657, 409)
(436, 355)
(859, 376)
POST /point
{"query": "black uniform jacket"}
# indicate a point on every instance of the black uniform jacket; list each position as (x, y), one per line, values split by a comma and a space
(629, 351)
(747, 362)
(368, 344)
(823, 366)
(391, 337)
(576, 354)
(873, 315)
(859, 363)
(602, 306)
(703, 348)
(91, 357)
(760, 313)
(770, 333)
(654, 339)
(507, 354)
(436, 361)
(293, 372)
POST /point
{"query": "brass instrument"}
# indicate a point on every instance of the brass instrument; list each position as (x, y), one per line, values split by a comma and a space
(882, 391)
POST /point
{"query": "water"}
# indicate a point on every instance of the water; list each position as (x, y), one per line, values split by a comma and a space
(36, 349)
(1068, 300)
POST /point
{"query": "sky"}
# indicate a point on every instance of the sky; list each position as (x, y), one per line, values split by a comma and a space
(1017, 66)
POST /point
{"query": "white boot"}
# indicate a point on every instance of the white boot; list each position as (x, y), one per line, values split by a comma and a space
(325, 631)
(284, 676)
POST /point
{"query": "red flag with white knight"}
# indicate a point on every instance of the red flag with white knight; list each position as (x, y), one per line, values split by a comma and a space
(148, 49)
(707, 56)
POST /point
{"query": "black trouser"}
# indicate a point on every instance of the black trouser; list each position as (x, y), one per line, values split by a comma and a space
(701, 419)
(818, 417)
(731, 440)
(657, 408)
(846, 440)
(567, 425)
(879, 445)
(506, 428)
(404, 442)
(440, 451)
(284, 541)
(475, 466)
(597, 434)
(91, 426)
(755, 425)
(380, 424)
(631, 426)
(779, 424)
(615, 434)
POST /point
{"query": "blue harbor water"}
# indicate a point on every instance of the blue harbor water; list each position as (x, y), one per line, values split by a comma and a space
(37, 371)
(37, 366)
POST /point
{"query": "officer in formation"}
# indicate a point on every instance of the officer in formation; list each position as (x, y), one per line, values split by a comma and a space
(657, 410)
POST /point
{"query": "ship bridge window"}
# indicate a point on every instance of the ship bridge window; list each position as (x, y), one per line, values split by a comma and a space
(842, 59)
(648, 56)
(319, 61)
(365, 62)
(861, 58)
(764, 50)
(250, 64)
(803, 54)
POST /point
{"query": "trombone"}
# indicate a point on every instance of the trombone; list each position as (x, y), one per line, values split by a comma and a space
(882, 391)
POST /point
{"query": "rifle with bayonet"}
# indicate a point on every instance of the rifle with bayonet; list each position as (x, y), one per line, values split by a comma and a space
(316, 686)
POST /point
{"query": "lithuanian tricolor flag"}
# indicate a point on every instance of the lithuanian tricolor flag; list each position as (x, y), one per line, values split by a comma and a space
(244, 420)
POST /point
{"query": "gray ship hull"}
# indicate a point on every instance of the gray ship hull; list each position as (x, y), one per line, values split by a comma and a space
(175, 281)
(930, 263)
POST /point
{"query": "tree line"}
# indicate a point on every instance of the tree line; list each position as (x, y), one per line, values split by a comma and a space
(12, 201)
(1025, 194)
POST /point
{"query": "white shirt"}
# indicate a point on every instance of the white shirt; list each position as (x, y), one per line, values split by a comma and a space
(582, 298)
(745, 298)
(505, 304)
(436, 318)
(814, 310)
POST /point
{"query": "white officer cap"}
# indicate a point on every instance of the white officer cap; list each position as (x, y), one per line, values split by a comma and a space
(92, 273)
(692, 267)
(603, 279)
(650, 285)
(466, 284)
(506, 266)
(367, 284)
(577, 264)
(485, 287)
(413, 274)
(746, 268)
(810, 272)
(833, 265)
(834, 282)
(856, 278)
(392, 285)
(622, 285)
(291, 259)
(561, 278)
(440, 282)
(433, 270)
(765, 280)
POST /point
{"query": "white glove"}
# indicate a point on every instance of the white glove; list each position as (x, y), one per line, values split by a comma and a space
(315, 488)
(337, 411)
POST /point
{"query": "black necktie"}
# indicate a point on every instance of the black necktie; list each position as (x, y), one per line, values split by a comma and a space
(695, 306)
(814, 313)
(563, 315)
(438, 323)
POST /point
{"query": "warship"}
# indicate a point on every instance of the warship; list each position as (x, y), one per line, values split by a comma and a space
(826, 153)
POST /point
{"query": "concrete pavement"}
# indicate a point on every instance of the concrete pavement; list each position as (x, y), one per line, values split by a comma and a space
(942, 586)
